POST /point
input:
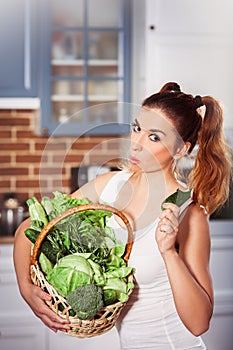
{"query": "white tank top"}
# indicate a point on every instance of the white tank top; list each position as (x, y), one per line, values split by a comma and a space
(149, 320)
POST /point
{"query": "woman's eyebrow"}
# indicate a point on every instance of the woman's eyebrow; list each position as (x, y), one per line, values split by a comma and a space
(151, 130)
(136, 121)
(158, 130)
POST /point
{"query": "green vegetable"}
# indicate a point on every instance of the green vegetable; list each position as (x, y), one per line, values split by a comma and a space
(81, 232)
(36, 211)
(45, 263)
(69, 273)
(80, 250)
(48, 206)
(178, 198)
(86, 300)
(98, 273)
(50, 250)
(120, 288)
(120, 272)
(110, 296)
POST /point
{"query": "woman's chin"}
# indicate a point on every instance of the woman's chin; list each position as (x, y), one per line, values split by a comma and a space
(135, 168)
(139, 168)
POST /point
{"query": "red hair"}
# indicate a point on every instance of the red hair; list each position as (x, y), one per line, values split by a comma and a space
(211, 174)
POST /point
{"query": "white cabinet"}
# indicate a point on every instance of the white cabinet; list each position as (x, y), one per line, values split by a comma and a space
(19, 328)
(14, 337)
(191, 42)
(190, 17)
(60, 341)
(10, 296)
(220, 335)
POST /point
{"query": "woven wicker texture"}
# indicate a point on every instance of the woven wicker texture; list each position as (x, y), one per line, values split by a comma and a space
(106, 318)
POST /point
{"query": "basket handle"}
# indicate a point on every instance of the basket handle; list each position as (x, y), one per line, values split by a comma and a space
(74, 210)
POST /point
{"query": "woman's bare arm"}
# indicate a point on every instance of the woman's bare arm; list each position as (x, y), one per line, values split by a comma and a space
(32, 294)
(188, 269)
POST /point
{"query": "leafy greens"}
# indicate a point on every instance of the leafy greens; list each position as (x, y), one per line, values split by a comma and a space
(80, 250)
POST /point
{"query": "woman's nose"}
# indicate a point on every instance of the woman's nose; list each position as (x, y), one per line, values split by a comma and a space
(136, 146)
(138, 142)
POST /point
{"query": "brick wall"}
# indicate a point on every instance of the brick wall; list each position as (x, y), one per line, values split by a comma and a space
(34, 165)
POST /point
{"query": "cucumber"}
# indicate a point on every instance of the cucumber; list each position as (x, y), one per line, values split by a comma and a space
(179, 197)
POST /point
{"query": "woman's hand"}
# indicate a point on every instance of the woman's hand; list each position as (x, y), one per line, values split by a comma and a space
(167, 228)
(32, 294)
(36, 297)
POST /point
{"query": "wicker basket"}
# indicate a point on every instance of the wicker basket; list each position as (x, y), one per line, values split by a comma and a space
(106, 318)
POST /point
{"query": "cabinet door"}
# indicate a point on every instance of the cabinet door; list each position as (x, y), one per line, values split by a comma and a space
(19, 327)
(86, 66)
(191, 42)
(10, 300)
(106, 341)
(27, 337)
(18, 45)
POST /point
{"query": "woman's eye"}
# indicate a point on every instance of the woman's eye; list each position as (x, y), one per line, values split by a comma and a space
(154, 137)
(136, 128)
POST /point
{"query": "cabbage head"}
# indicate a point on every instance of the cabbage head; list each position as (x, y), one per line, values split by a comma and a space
(70, 272)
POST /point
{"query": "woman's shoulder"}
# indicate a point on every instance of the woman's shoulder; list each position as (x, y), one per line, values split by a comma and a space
(95, 187)
(111, 181)
(196, 213)
(195, 222)
(102, 180)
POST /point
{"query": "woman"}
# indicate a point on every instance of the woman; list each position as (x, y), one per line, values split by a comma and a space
(172, 303)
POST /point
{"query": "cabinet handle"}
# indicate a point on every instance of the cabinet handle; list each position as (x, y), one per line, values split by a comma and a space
(152, 27)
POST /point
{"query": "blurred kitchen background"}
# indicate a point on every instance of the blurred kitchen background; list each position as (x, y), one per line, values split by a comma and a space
(72, 75)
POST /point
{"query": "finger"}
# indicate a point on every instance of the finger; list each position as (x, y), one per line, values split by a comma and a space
(37, 291)
(55, 324)
(53, 329)
(45, 313)
(167, 228)
(168, 215)
(44, 296)
(173, 207)
(54, 318)
(170, 218)
(165, 225)
(172, 215)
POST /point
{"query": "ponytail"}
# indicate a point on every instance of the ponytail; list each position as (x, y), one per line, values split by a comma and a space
(210, 177)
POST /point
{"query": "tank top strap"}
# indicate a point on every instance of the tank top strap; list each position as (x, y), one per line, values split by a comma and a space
(113, 187)
(115, 184)
(185, 206)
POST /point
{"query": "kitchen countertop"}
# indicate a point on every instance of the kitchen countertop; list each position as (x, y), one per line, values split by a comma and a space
(6, 239)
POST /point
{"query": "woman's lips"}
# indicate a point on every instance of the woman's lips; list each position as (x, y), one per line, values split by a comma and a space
(134, 160)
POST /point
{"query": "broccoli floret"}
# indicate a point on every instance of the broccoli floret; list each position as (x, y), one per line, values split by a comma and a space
(86, 300)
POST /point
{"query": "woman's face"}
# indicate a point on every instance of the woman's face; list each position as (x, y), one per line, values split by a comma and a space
(154, 141)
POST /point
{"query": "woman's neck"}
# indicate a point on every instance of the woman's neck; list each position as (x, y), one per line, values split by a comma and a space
(141, 196)
(163, 180)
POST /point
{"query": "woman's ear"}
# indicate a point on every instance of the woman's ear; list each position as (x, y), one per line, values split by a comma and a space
(182, 150)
